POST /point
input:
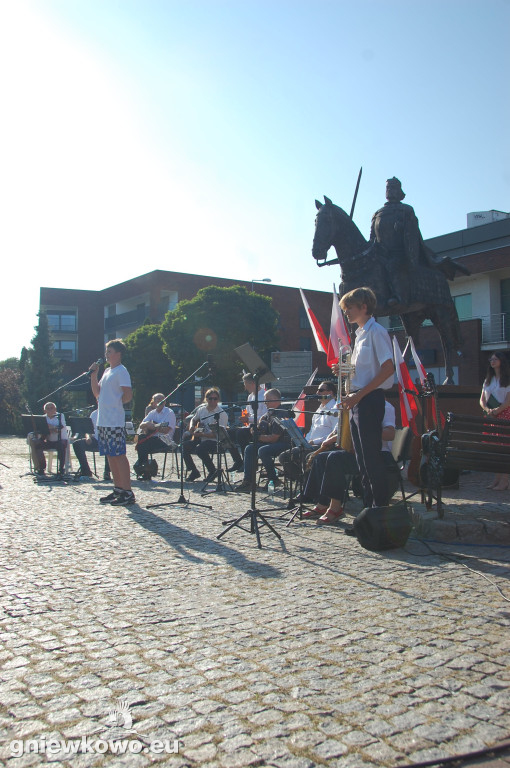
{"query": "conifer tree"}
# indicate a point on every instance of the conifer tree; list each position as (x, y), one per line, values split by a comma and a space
(42, 371)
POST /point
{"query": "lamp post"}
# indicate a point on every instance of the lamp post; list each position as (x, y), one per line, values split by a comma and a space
(262, 280)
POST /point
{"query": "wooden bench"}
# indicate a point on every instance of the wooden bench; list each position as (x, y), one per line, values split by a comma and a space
(469, 442)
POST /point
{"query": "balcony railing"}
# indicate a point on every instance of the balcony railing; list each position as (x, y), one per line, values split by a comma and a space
(495, 328)
(135, 317)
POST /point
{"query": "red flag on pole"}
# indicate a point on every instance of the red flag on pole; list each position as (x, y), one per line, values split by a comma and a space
(432, 414)
(422, 373)
(299, 405)
(338, 330)
(406, 390)
(320, 338)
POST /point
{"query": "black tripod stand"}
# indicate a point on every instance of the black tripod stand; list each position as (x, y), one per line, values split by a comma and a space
(293, 510)
(221, 477)
(182, 500)
(260, 373)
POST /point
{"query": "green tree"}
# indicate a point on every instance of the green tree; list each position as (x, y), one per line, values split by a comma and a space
(42, 372)
(10, 401)
(150, 369)
(11, 363)
(215, 322)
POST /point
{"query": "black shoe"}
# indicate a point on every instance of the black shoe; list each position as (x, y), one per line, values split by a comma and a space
(111, 497)
(39, 472)
(245, 486)
(211, 476)
(124, 499)
(107, 477)
(236, 467)
(193, 475)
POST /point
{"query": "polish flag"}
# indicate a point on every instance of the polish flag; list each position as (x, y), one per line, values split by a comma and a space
(406, 390)
(299, 405)
(320, 338)
(432, 414)
(422, 373)
(338, 330)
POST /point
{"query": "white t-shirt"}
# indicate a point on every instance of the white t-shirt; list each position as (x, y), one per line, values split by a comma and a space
(261, 408)
(494, 388)
(322, 424)
(165, 416)
(110, 407)
(372, 348)
(54, 422)
(93, 418)
(388, 421)
(205, 417)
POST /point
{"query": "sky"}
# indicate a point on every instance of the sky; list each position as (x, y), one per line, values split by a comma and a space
(195, 136)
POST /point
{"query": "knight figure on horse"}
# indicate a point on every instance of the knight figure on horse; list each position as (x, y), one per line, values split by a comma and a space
(396, 238)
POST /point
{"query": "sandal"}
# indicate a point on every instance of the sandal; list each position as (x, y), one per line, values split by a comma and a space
(330, 517)
(312, 513)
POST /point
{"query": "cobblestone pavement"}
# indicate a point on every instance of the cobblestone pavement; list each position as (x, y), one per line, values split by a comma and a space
(308, 652)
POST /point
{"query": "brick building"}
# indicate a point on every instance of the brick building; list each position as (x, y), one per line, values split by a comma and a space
(82, 320)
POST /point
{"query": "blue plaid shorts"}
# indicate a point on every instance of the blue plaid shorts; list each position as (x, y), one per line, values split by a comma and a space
(111, 441)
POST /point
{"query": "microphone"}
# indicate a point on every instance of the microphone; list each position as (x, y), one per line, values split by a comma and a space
(99, 361)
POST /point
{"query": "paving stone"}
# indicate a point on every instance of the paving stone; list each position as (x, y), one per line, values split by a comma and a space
(315, 653)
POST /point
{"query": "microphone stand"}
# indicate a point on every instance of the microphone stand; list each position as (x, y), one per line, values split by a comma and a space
(252, 514)
(181, 501)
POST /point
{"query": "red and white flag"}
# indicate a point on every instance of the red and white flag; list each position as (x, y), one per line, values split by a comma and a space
(320, 338)
(299, 405)
(406, 390)
(422, 373)
(338, 330)
(432, 414)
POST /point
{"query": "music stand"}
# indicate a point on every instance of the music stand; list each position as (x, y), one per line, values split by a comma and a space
(298, 440)
(261, 373)
(81, 426)
(224, 442)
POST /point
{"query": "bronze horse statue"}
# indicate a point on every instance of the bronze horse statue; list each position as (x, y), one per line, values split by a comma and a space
(428, 294)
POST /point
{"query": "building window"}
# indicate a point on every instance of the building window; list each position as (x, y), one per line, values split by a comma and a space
(305, 344)
(62, 321)
(463, 306)
(65, 350)
(304, 323)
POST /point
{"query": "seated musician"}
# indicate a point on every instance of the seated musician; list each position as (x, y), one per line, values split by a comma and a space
(327, 482)
(202, 440)
(150, 406)
(156, 431)
(40, 443)
(272, 440)
(243, 435)
(323, 423)
(89, 443)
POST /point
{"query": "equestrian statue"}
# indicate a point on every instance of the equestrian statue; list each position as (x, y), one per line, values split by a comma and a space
(406, 276)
